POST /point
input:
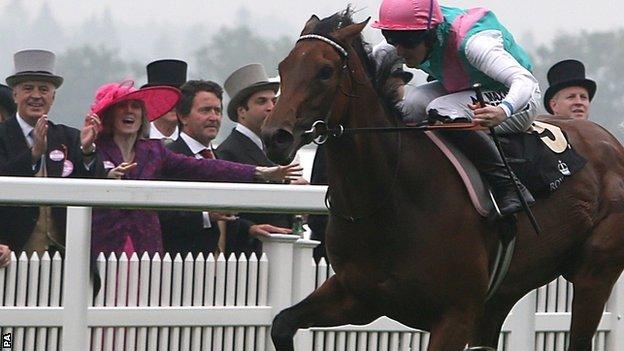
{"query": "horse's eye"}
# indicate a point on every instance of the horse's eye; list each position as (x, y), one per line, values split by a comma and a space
(325, 73)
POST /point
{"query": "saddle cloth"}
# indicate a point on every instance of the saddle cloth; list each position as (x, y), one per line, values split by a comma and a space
(542, 158)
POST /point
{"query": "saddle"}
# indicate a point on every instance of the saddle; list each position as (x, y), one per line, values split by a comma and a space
(542, 158)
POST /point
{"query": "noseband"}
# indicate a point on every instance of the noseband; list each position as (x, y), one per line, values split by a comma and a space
(320, 132)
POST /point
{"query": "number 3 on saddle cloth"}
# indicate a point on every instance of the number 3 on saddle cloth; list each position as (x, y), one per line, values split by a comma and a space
(541, 158)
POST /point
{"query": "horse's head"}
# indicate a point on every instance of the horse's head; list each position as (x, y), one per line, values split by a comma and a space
(311, 77)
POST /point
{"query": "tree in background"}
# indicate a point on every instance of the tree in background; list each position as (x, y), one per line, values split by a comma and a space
(232, 48)
(601, 52)
(84, 69)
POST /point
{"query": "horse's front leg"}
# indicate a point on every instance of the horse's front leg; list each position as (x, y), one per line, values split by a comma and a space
(329, 305)
(453, 330)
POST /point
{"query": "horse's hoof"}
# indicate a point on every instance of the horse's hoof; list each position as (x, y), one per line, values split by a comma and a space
(480, 348)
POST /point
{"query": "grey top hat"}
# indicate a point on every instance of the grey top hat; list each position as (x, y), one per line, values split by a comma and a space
(245, 81)
(37, 65)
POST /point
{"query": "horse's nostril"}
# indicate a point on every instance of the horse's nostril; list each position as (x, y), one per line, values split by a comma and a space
(282, 138)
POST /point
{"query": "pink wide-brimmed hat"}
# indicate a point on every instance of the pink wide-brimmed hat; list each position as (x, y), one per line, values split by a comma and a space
(158, 100)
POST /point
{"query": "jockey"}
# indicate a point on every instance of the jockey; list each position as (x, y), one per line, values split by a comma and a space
(458, 48)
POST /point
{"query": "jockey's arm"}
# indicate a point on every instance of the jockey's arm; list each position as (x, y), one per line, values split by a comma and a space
(486, 53)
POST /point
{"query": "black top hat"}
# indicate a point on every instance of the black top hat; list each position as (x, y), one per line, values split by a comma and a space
(567, 73)
(6, 99)
(166, 72)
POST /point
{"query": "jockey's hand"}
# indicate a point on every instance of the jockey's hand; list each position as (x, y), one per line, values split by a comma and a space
(488, 116)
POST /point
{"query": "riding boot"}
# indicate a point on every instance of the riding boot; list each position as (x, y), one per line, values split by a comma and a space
(481, 150)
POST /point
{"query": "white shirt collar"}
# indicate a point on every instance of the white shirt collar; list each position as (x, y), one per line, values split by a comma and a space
(26, 128)
(156, 134)
(251, 135)
(195, 146)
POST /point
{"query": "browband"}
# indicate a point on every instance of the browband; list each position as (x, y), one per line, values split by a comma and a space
(336, 46)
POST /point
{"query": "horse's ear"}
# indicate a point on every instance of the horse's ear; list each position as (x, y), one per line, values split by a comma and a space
(351, 31)
(310, 24)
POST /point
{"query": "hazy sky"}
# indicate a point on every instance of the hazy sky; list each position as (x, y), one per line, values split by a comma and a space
(543, 17)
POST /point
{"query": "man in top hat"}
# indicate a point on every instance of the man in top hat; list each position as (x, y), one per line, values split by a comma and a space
(570, 92)
(7, 105)
(33, 146)
(252, 97)
(171, 73)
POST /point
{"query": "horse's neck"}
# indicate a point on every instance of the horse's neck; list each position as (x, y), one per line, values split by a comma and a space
(363, 167)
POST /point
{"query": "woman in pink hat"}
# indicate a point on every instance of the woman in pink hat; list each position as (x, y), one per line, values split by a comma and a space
(125, 113)
(459, 48)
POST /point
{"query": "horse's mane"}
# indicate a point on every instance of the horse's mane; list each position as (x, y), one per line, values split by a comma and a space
(378, 75)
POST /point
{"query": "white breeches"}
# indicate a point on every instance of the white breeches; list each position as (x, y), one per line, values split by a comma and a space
(420, 99)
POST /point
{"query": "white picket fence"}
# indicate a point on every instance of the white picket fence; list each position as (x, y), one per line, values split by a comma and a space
(208, 303)
(200, 282)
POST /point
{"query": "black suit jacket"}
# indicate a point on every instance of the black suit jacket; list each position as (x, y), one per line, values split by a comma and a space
(239, 148)
(183, 231)
(17, 223)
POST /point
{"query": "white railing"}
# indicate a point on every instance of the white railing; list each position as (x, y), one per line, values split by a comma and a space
(214, 303)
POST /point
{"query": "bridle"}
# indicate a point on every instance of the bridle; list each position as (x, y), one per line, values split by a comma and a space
(320, 131)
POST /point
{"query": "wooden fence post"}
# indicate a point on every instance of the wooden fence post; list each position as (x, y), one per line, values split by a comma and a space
(304, 275)
(279, 250)
(76, 279)
(521, 324)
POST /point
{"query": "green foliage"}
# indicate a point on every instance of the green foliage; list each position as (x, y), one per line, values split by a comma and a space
(232, 48)
(601, 53)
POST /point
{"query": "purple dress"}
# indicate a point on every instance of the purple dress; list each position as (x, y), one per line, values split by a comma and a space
(111, 228)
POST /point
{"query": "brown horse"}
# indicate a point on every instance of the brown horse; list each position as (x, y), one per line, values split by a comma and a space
(403, 237)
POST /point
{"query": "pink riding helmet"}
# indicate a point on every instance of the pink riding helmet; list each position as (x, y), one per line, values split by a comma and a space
(408, 15)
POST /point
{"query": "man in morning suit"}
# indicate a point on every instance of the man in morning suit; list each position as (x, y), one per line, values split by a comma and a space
(253, 96)
(199, 114)
(199, 111)
(33, 146)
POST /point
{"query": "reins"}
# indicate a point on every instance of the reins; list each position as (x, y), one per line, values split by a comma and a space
(320, 133)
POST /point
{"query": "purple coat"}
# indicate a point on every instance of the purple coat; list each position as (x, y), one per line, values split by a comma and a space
(111, 227)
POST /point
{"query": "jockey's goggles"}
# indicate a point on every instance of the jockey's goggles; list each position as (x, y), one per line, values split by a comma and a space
(405, 38)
